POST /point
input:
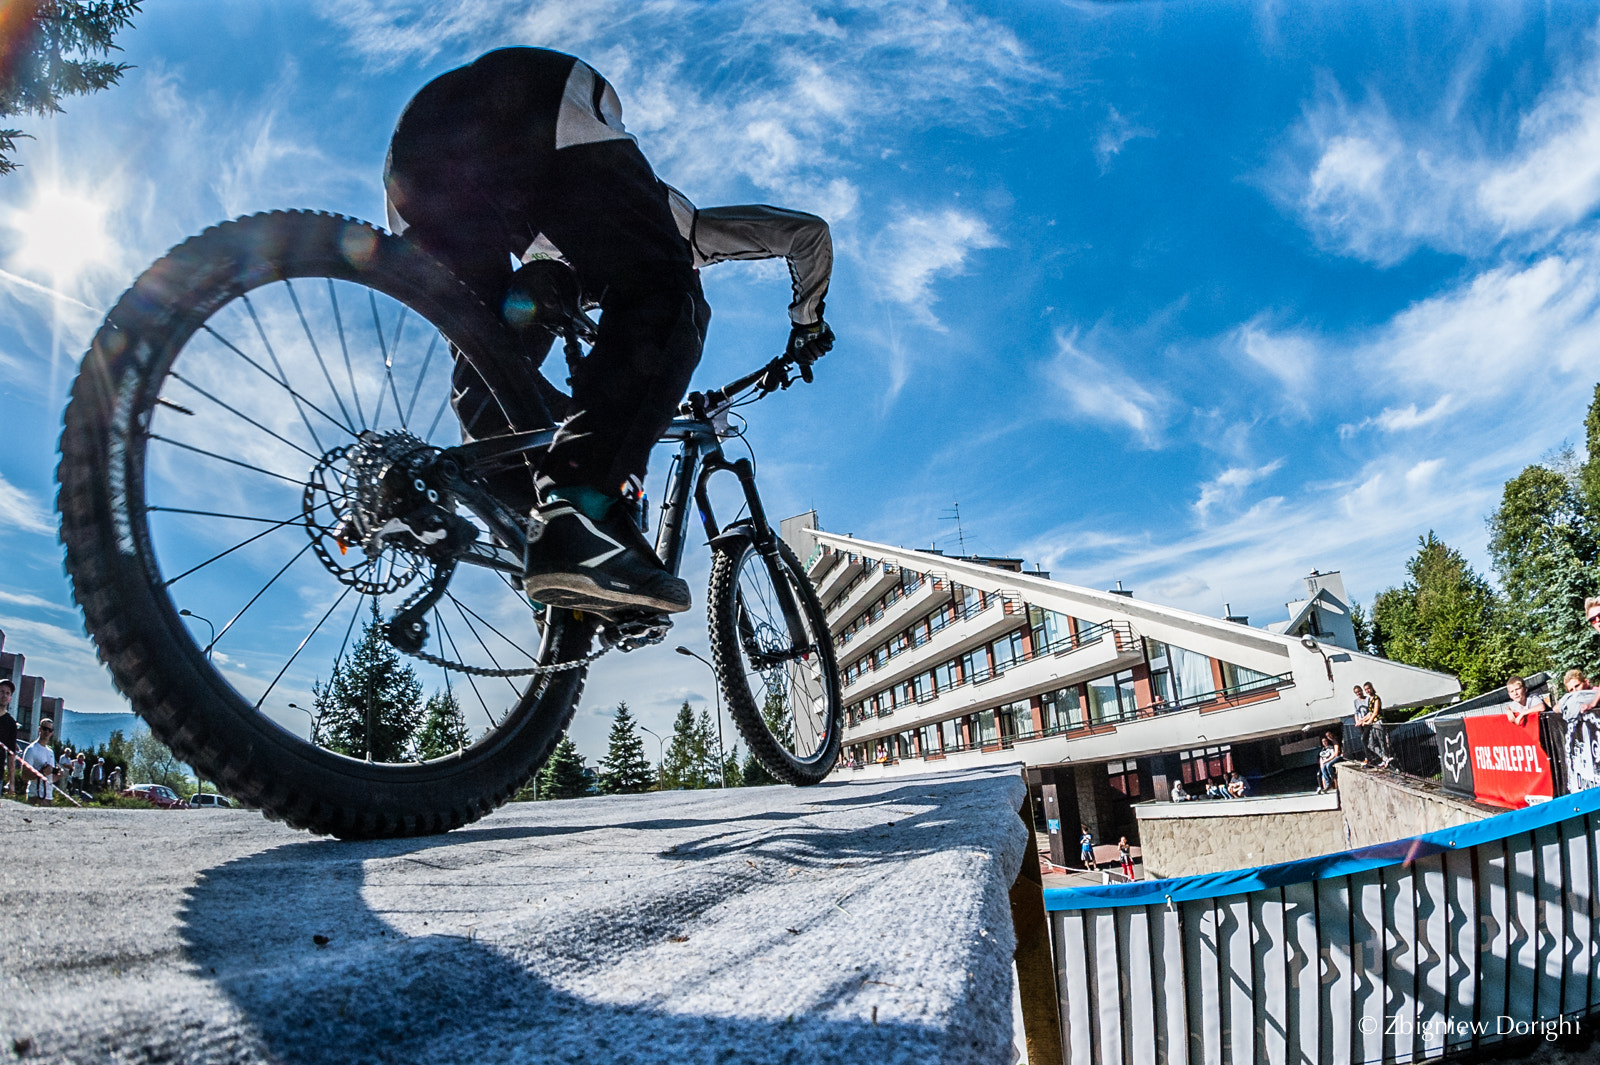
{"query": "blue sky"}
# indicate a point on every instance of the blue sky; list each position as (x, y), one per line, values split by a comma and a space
(1198, 297)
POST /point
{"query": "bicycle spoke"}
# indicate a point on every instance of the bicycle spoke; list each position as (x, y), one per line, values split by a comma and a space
(344, 346)
(470, 628)
(314, 630)
(422, 373)
(243, 543)
(253, 599)
(444, 405)
(282, 377)
(219, 514)
(439, 619)
(244, 417)
(388, 361)
(315, 350)
(296, 481)
(298, 398)
(485, 622)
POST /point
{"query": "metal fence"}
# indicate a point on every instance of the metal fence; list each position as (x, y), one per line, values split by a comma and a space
(1448, 942)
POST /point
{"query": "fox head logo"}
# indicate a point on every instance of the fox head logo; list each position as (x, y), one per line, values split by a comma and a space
(1455, 755)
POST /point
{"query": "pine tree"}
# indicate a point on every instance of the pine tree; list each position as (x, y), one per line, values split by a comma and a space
(753, 774)
(1363, 626)
(44, 50)
(1567, 637)
(709, 747)
(373, 681)
(562, 776)
(684, 764)
(444, 727)
(625, 770)
(731, 773)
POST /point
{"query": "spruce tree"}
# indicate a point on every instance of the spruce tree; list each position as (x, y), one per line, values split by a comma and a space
(371, 681)
(709, 748)
(45, 47)
(685, 761)
(1446, 617)
(562, 776)
(752, 774)
(1567, 637)
(444, 727)
(625, 770)
(730, 768)
(1589, 476)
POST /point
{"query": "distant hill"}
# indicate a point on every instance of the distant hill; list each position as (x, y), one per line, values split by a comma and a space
(91, 730)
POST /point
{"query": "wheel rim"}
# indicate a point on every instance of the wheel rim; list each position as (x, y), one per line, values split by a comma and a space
(261, 394)
(791, 687)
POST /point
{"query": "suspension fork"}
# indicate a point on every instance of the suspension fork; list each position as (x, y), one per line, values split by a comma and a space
(762, 536)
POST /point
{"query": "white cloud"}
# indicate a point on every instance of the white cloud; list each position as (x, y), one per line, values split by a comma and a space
(1290, 357)
(1400, 419)
(1180, 588)
(917, 248)
(1104, 393)
(20, 510)
(1376, 188)
(23, 599)
(772, 92)
(1114, 135)
(1230, 484)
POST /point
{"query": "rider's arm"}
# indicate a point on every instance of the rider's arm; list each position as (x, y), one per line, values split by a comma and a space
(757, 231)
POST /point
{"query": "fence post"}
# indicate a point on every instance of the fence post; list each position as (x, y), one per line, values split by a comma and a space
(1036, 969)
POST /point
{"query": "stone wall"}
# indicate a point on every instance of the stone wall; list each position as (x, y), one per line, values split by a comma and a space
(1381, 807)
(1208, 836)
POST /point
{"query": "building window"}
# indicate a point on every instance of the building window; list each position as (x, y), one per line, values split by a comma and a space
(939, 619)
(975, 663)
(1061, 710)
(1124, 777)
(1241, 680)
(988, 733)
(931, 740)
(1007, 650)
(1193, 674)
(1051, 631)
(1207, 764)
(1014, 719)
(1112, 698)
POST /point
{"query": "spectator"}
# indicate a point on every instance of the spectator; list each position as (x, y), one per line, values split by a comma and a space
(97, 776)
(1519, 703)
(1373, 736)
(8, 737)
(41, 788)
(1086, 848)
(1579, 711)
(1178, 794)
(1360, 702)
(1125, 853)
(1238, 787)
(1326, 759)
(1219, 790)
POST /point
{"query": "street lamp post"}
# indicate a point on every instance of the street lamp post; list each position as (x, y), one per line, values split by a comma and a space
(716, 689)
(309, 717)
(187, 613)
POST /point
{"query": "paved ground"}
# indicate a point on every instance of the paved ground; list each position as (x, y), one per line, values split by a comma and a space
(853, 922)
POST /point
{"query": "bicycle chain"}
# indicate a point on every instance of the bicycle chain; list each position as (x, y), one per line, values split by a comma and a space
(481, 671)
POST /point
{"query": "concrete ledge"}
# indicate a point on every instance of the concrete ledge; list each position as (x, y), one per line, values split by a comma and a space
(1269, 804)
(840, 923)
(1380, 807)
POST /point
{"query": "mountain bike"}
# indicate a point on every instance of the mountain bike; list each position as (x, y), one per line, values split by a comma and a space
(260, 455)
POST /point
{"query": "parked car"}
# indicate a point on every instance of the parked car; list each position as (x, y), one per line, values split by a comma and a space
(158, 795)
(210, 800)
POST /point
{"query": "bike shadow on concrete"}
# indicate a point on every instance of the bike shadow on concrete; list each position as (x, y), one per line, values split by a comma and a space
(762, 935)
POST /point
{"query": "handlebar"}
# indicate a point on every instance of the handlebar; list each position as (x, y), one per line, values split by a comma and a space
(770, 378)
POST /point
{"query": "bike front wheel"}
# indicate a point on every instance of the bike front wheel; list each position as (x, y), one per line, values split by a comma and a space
(776, 671)
(213, 446)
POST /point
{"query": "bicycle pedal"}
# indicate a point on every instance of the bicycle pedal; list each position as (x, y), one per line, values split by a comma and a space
(629, 632)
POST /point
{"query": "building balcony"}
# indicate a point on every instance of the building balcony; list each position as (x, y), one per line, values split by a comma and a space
(929, 594)
(835, 578)
(1105, 648)
(1002, 613)
(880, 580)
(821, 561)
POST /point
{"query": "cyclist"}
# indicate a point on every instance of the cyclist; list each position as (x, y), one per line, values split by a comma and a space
(523, 154)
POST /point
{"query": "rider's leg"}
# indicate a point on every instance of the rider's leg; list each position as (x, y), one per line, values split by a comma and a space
(604, 208)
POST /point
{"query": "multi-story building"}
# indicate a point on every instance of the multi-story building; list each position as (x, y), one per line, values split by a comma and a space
(1107, 699)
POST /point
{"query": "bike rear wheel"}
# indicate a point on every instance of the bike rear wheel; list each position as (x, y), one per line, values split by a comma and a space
(206, 455)
(782, 691)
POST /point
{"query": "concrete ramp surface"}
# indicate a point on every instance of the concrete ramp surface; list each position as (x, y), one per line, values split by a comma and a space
(839, 923)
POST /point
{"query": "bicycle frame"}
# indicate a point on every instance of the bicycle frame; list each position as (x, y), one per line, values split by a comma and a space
(699, 455)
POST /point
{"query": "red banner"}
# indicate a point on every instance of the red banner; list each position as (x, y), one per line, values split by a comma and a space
(1509, 765)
